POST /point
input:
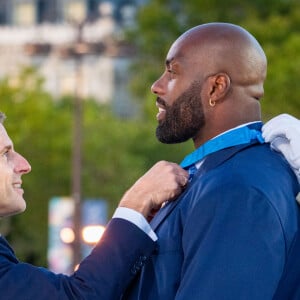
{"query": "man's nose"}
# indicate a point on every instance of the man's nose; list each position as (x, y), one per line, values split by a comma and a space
(21, 164)
(157, 87)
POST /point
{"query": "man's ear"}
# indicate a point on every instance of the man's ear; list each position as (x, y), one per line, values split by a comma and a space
(219, 86)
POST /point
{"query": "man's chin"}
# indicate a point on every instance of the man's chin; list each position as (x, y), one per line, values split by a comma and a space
(166, 138)
(10, 211)
(170, 140)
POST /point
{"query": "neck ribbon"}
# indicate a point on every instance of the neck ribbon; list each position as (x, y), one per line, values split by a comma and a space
(235, 137)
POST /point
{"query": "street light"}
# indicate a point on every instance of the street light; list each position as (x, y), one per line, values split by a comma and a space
(92, 234)
(78, 50)
(67, 235)
(76, 146)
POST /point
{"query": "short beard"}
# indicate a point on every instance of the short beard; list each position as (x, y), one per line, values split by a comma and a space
(184, 118)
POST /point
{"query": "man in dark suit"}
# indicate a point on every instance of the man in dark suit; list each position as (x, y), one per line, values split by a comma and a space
(230, 234)
(127, 242)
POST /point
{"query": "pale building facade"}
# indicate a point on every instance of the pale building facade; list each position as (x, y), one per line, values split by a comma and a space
(43, 33)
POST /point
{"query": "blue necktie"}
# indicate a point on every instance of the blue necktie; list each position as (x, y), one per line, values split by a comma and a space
(192, 171)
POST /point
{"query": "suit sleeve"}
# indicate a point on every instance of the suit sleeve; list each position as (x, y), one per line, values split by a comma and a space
(104, 274)
(234, 246)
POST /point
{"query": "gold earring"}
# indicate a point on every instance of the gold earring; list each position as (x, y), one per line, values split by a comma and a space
(212, 103)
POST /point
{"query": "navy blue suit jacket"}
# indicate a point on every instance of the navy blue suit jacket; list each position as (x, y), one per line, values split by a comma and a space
(230, 234)
(103, 275)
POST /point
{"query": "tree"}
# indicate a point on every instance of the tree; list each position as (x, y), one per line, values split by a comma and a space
(274, 23)
(40, 130)
(116, 153)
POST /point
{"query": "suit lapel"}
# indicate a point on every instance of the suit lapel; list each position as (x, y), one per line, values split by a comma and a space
(210, 162)
(164, 212)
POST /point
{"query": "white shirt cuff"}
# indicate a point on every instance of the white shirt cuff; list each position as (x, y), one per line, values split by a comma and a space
(137, 219)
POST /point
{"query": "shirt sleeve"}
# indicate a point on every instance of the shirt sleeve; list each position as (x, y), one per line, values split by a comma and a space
(136, 218)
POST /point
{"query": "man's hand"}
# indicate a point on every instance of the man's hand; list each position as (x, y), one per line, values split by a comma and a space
(283, 132)
(163, 182)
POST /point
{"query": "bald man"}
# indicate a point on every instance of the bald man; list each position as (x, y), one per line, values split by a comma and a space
(230, 233)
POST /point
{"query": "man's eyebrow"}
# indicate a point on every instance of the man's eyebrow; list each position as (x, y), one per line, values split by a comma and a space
(174, 61)
(6, 148)
(169, 61)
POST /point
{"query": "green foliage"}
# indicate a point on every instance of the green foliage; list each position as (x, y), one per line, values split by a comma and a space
(119, 152)
(115, 154)
(40, 130)
(275, 23)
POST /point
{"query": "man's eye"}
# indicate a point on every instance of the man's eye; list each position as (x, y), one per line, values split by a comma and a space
(6, 153)
(171, 72)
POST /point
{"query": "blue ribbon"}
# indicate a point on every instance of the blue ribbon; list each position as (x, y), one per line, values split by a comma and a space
(238, 136)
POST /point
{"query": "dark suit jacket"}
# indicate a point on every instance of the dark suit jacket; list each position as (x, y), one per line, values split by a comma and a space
(229, 235)
(103, 275)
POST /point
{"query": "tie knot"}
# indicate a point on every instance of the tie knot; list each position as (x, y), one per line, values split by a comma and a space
(192, 171)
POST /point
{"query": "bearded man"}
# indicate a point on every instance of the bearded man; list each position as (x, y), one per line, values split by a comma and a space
(230, 234)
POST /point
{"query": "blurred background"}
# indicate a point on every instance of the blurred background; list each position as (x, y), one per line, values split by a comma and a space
(75, 79)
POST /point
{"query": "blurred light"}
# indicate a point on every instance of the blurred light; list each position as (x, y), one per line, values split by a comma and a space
(76, 267)
(67, 235)
(92, 234)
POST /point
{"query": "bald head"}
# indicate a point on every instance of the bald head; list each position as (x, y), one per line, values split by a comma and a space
(218, 70)
(227, 48)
